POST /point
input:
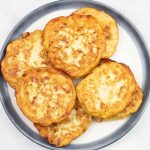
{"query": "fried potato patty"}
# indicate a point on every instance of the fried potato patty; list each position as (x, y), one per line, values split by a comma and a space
(108, 26)
(23, 54)
(45, 95)
(107, 90)
(74, 44)
(64, 133)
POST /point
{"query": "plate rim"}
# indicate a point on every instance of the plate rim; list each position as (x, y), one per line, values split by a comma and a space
(137, 116)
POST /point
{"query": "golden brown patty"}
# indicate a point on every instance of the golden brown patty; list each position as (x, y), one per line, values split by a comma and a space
(108, 26)
(21, 55)
(45, 96)
(74, 44)
(107, 90)
(63, 133)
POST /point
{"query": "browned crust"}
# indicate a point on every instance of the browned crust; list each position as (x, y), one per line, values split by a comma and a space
(73, 23)
(115, 108)
(42, 77)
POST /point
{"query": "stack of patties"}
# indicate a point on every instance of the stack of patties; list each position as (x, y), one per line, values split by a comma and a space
(41, 65)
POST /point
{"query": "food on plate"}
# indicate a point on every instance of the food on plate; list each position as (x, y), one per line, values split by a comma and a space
(109, 27)
(74, 44)
(45, 95)
(23, 54)
(41, 66)
(64, 133)
(107, 90)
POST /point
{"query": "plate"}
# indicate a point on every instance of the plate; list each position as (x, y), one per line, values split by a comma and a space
(131, 50)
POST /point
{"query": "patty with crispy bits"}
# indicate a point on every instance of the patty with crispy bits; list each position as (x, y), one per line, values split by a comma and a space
(23, 54)
(45, 95)
(64, 133)
(107, 90)
(133, 106)
(74, 44)
(109, 27)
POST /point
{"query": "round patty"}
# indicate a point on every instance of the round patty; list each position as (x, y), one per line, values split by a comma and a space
(45, 95)
(64, 133)
(109, 27)
(74, 44)
(107, 90)
(23, 54)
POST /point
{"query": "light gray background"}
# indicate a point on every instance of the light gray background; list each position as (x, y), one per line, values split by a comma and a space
(11, 11)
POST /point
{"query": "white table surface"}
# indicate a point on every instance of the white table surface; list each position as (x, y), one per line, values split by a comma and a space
(11, 11)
